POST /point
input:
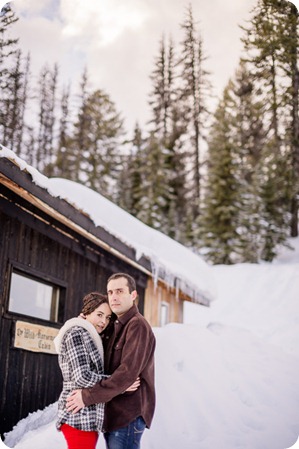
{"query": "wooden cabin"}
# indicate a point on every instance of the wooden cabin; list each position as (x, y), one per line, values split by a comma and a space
(52, 254)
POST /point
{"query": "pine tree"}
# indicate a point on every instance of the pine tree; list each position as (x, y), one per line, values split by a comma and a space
(250, 138)
(130, 181)
(273, 172)
(79, 138)
(8, 49)
(47, 102)
(263, 47)
(193, 91)
(265, 53)
(288, 27)
(7, 44)
(155, 190)
(103, 133)
(163, 97)
(61, 166)
(159, 95)
(219, 221)
(72, 132)
(168, 135)
(24, 97)
(15, 103)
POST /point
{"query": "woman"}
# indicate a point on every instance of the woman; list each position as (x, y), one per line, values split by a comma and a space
(80, 357)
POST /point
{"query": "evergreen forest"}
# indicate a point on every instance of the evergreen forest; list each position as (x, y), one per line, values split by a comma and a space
(223, 181)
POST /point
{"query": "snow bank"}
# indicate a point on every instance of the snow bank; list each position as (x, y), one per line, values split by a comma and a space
(27, 426)
(261, 298)
(222, 387)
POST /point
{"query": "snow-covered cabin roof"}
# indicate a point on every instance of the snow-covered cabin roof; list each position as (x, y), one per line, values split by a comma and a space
(170, 261)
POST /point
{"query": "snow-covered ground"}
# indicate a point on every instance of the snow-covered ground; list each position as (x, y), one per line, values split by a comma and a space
(228, 378)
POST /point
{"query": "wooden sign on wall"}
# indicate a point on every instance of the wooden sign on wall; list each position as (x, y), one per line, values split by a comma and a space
(34, 337)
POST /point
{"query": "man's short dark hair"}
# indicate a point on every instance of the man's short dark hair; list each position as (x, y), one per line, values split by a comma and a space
(130, 280)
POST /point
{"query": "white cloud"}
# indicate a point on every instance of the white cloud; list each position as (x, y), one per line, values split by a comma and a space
(32, 8)
(118, 41)
(103, 21)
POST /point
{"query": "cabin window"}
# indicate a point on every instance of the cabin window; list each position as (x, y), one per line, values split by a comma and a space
(164, 312)
(33, 297)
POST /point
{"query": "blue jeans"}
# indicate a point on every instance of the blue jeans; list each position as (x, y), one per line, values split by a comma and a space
(127, 437)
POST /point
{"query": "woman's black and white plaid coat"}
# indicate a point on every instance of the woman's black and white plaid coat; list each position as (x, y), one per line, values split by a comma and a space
(80, 357)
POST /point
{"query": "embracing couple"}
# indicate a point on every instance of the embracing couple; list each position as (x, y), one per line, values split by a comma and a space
(116, 397)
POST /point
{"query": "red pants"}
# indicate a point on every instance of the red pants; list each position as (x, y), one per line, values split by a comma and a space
(79, 439)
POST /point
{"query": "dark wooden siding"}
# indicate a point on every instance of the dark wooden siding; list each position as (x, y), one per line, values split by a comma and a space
(29, 381)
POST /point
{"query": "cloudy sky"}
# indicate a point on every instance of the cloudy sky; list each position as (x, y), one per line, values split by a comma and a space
(118, 41)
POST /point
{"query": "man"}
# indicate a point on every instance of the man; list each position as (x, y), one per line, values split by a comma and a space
(129, 355)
